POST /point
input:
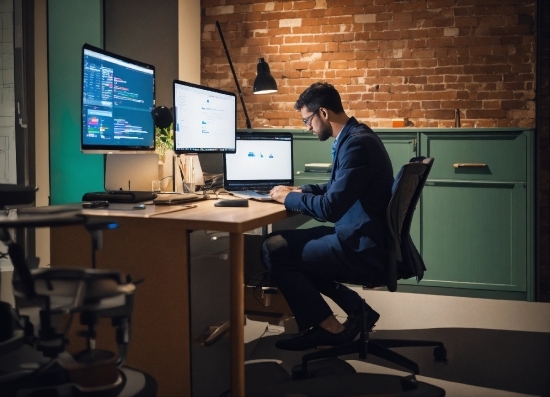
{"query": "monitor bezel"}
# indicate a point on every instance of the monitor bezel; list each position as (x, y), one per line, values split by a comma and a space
(111, 149)
(209, 150)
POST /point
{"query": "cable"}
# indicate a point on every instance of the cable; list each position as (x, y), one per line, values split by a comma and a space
(257, 282)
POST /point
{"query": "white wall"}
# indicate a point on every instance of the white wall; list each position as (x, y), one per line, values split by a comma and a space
(41, 123)
(7, 128)
(7, 106)
(189, 40)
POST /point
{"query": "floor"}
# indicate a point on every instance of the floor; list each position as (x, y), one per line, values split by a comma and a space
(523, 326)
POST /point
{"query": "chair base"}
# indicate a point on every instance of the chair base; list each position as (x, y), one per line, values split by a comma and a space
(378, 347)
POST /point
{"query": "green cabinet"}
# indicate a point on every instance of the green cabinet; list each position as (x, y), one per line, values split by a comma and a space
(473, 235)
(474, 224)
(477, 211)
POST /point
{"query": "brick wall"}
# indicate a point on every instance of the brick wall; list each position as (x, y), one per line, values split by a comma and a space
(418, 60)
(415, 60)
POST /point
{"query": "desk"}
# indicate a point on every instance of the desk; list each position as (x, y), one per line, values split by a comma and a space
(156, 248)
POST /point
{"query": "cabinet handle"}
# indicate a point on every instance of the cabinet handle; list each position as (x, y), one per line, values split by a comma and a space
(476, 165)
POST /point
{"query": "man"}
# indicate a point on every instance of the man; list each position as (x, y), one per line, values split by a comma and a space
(305, 263)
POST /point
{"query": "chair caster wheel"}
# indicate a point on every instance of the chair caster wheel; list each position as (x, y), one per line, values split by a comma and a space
(298, 373)
(440, 353)
(409, 383)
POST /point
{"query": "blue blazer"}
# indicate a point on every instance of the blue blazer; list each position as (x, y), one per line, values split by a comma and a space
(358, 192)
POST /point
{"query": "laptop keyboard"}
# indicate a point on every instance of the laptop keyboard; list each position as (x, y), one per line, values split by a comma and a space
(262, 191)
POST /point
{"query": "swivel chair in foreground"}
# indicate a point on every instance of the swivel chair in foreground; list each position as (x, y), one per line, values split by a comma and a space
(33, 364)
(403, 261)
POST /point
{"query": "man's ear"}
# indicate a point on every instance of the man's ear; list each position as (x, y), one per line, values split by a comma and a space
(324, 111)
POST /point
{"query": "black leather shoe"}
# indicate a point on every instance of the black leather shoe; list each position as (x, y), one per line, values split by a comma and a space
(314, 337)
(353, 322)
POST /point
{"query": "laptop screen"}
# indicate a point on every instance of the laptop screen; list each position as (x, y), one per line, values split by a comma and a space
(262, 160)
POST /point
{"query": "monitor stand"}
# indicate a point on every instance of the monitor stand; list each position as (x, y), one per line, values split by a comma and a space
(128, 178)
(131, 172)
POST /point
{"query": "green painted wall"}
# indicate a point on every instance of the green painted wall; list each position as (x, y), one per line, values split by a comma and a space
(71, 23)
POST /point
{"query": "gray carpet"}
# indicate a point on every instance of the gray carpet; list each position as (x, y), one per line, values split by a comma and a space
(329, 380)
(506, 360)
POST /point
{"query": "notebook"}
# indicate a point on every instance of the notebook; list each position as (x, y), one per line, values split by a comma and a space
(262, 160)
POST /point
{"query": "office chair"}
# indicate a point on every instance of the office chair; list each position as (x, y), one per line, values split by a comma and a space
(403, 261)
(37, 363)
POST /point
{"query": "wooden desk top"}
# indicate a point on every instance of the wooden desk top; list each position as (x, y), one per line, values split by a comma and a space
(204, 216)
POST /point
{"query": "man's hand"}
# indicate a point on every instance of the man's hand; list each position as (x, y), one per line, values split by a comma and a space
(279, 193)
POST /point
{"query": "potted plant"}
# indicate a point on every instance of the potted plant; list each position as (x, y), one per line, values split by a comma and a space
(164, 141)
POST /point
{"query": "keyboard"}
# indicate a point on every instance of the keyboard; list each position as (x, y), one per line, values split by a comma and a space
(251, 194)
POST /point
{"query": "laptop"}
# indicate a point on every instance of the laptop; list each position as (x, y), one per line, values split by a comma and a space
(262, 160)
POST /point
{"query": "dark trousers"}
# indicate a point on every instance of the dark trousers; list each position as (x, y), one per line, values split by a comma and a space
(306, 263)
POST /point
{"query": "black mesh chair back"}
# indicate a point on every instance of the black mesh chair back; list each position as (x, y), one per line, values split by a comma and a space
(403, 261)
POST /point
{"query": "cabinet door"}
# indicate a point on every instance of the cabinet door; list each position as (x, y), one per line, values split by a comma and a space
(308, 149)
(474, 219)
(477, 156)
(401, 148)
(209, 272)
(474, 235)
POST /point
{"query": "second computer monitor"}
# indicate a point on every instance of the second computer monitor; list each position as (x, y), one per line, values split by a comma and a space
(205, 119)
(118, 95)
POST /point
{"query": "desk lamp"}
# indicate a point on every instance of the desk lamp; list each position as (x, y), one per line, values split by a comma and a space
(263, 84)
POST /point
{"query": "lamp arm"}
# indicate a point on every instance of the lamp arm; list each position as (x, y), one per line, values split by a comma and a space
(248, 125)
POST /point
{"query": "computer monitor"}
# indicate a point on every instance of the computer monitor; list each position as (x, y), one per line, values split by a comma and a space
(118, 96)
(205, 119)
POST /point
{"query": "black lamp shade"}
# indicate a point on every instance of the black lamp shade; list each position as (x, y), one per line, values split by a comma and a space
(264, 83)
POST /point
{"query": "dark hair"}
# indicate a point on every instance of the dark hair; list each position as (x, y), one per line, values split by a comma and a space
(320, 94)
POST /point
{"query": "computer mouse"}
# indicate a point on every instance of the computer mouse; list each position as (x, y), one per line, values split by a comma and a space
(232, 203)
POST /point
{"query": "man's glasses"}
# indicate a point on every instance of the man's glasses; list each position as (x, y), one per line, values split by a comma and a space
(307, 120)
